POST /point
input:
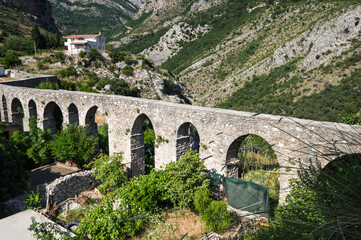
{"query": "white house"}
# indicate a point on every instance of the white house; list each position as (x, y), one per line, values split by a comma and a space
(77, 43)
(2, 70)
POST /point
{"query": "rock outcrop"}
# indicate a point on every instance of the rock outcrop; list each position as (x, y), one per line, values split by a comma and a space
(40, 11)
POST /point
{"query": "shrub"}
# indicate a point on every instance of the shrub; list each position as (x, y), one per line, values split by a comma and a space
(127, 70)
(107, 222)
(116, 56)
(109, 170)
(144, 195)
(86, 88)
(12, 155)
(130, 61)
(187, 176)
(33, 199)
(67, 85)
(103, 138)
(10, 59)
(94, 55)
(82, 54)
(59, 56)
(149, 140)
(202, 200)
(48, 85)
(67, 72)
(40, 151)
(322, 204)
(213, 213)
(74, 143)
(19, 44)
(40, 65)
(47, 231)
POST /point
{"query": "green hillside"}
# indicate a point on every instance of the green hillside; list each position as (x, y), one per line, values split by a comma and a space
(14, 22)
(296, 58)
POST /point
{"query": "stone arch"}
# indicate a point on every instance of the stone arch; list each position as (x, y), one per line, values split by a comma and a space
(73, 114)
(250, 157)
(187, 139)
(232, 157)
(17, 112)
(33, 112)
(53, 117)
(90, 121)
(95, 119)
(137, 145)
(345, 159)
(5, 109)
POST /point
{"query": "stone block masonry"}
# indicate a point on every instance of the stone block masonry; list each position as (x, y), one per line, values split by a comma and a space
(220, 132)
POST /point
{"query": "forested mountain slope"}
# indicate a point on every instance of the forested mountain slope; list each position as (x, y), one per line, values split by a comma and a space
(92, 16)
(273, 57)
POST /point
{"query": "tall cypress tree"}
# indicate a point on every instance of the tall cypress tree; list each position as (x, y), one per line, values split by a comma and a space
(38, 37)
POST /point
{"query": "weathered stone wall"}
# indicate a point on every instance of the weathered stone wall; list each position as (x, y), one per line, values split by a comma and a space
(31, 82)
(220, 131)
(69, 186)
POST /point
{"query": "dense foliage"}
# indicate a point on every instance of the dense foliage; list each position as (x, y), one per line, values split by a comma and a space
(127, 209)
(40, 148)
(213, 212)
(74, 143)
(264, 94)
(48, 85)
(109, 170)
(103, 138)
(10, 59)
(14, 175)
(149, 141)
(323, 204)
(119, 87)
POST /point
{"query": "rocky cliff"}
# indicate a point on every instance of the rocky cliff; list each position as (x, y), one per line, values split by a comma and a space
(40, 11)
(92, 16)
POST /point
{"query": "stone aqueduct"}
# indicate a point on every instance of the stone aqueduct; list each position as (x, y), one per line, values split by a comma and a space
(220, 131)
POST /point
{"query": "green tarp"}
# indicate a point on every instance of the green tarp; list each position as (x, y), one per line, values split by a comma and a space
(243, 195)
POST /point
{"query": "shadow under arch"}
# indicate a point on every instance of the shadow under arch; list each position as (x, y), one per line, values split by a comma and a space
(73, 114)
(96, 120)
(90, 121)
(187, 139)
(5, 109)
(33, 112)
(139, 151)
(17, 113)
(53, 118)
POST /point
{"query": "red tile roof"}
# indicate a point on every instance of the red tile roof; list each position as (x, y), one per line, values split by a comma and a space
(78, 43)
(80, 36)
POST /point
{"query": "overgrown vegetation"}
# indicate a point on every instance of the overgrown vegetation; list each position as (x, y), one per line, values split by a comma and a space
(74, 143)
(13, 156)
(322, 204)
(266, 95)
(33, 199)
(145, 195)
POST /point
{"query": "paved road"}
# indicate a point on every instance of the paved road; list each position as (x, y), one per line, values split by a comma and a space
(16, 226)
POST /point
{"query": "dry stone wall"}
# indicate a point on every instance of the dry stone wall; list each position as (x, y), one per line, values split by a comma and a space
(69, 186)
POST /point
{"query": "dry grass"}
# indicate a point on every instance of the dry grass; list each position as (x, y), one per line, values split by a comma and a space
(174, 226)
(4, 79)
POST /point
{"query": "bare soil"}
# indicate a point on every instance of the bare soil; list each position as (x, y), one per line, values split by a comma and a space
(49, 173)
